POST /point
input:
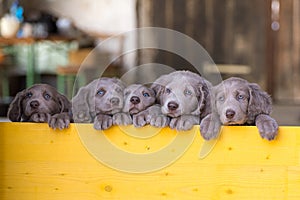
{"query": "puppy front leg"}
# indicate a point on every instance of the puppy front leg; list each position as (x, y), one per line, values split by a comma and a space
(210, 126)
(122, 119)
(184, 122)
(140, 119)
(82, 117)
(147, 116)
(40, 117)
(156, 118)
(103, 122)
(267, 126)
(60, 121)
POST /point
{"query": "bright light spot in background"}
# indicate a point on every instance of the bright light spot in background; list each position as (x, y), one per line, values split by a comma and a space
(275, 9)
(275, 26)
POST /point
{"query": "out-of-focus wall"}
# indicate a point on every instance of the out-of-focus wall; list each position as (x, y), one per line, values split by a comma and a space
(97, 16)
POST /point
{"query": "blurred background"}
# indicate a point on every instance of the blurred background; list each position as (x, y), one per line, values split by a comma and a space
(48, 40)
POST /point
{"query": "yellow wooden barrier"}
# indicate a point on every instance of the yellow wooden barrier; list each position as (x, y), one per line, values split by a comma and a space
(37, 162)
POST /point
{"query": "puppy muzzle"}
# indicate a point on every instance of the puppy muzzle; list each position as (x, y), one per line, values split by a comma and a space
(171, 109)
(230, 117)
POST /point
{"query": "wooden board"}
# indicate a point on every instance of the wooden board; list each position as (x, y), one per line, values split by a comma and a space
(37, 162)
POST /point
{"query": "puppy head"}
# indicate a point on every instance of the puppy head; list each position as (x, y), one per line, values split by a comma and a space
(109, 96)
(238, 102)
(231, 101)
(137, 98)
(40, 98)
(182, 93)
(103, 95)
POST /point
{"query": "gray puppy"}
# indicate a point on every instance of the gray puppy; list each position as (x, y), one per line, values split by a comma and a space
(184, 97)
(236, 101)
(98, 101)
(41, 103)
(137, 99)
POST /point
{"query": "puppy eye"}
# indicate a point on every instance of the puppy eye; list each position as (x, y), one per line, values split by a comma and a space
(221, 98)
(145, 94)
(240, 97)
(47, 96)
(101, 92)
(188, 92)
(28, 95)
(168, 91)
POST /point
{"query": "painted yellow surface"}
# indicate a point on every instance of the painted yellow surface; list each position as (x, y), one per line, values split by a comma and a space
(37, 162)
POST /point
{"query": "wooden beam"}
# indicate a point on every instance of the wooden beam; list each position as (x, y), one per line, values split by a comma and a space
(37, 162)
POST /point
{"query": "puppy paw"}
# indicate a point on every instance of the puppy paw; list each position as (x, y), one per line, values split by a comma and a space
(103, 122)
(59, 121)
(267, 126)
(156, 118)
(184, 122)
(82, 117)
(141, 119)
(122, 119)
(40, 117)
(210, 127)
(160, 121)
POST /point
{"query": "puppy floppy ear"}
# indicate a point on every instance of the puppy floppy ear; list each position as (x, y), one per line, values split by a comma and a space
(259, 103)
(158, 90)
(204, 104)
(152, 92)
(64, 103)
(159, 86)
(15, 110)
(83, 103)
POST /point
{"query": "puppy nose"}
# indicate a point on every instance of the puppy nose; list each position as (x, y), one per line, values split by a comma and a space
(34, 104)
(230, 113)
(172, 105)
(135, 100)
(114, 101)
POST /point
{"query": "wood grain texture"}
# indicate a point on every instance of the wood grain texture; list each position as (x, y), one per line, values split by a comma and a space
(37, 162)
(232, 32)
